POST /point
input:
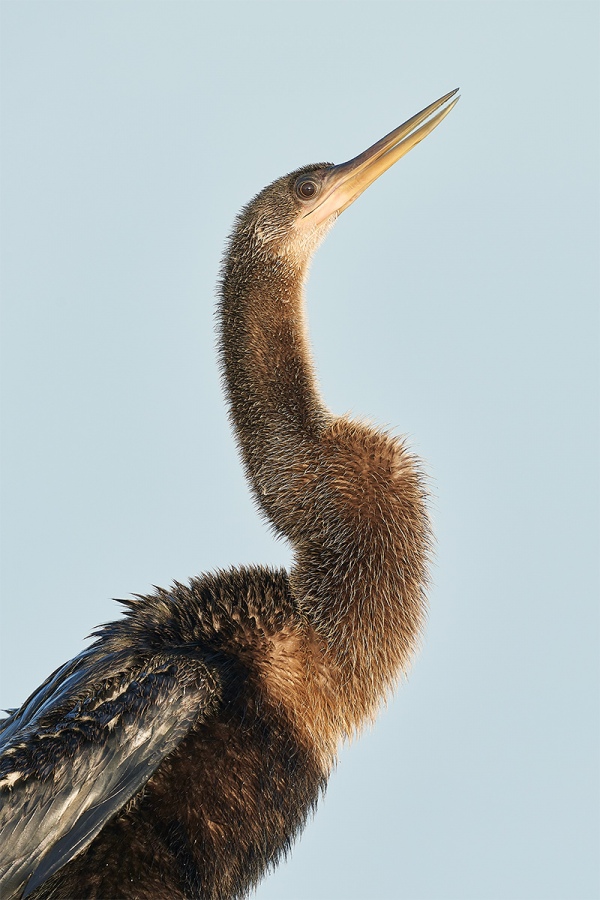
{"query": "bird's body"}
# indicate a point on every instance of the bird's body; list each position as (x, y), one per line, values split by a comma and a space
(181, 754)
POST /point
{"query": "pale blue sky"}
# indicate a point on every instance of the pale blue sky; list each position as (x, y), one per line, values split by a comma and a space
(456, 302)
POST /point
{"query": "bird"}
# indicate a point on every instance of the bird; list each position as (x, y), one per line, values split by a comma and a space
(181, 753)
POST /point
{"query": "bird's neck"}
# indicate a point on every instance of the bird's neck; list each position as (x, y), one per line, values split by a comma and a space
(348, 497)
(274, 402)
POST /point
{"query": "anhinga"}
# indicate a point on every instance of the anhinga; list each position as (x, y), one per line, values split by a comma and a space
(181, 753)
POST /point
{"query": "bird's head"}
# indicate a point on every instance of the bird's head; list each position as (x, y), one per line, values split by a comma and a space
(290, 217)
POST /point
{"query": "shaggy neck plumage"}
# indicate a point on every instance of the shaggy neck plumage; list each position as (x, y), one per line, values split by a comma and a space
(348, 497)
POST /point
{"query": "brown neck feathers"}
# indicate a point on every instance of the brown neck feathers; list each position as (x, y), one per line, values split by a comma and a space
(348, 497)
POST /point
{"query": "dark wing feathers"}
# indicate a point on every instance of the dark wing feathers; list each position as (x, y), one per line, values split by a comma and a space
(76, 754)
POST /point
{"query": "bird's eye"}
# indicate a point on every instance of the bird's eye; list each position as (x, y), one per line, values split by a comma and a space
(306, 189)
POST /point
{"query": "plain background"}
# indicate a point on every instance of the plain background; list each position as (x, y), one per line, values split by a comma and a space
(455, 302)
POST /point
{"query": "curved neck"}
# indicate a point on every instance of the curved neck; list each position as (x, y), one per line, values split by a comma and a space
(348, 497)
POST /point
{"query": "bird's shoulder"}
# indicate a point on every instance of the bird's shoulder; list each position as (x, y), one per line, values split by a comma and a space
(87, 749)
(93, 734)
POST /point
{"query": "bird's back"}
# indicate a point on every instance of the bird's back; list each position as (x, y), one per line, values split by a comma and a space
(190, 690)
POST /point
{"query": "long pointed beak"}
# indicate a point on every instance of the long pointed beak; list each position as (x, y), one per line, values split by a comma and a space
(344, 183)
